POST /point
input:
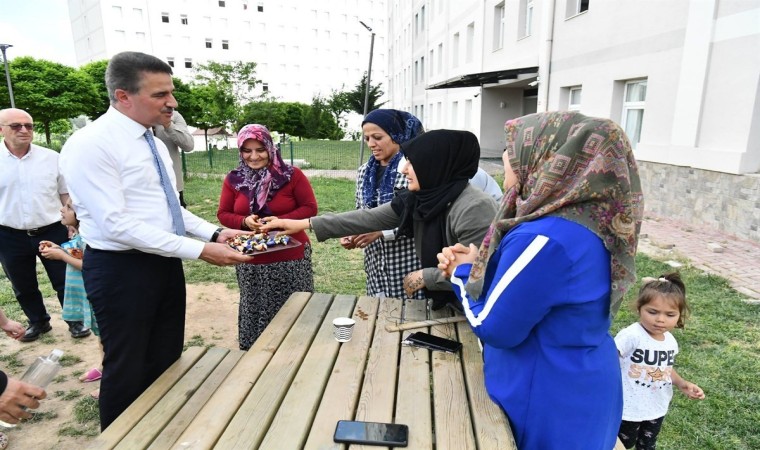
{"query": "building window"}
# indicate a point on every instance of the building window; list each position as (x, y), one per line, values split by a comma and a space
(165, 17)
(183, 19)
(416, 71)
(188, 63)
(469, 43)
(222, 3)
(454, 112)
(575, 7)
(260, 7)
(574, 99)
(225, 45)
(633, 109)
(422, 25)
(455, 50)
(498, 26)
(265, 87)
(440, 58)
(209, 43)
(170, 61)
(526, 18)
(422, 70)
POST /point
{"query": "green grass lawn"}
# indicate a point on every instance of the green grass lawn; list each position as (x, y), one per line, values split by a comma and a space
(719, 348)
(324, 155)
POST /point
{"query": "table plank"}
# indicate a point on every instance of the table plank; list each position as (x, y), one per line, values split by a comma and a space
(292, 423)
(413, 395)
(378, 394)
(250, 423)
(211, 421)
(492, 429)
(341, 395)
(182, 419)
(129, 418)
(453, 423)
(162, 412)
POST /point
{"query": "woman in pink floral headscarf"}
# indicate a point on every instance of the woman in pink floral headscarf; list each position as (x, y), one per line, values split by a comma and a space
(263, 185)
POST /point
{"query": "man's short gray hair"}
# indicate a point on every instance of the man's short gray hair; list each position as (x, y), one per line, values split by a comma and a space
(125, 71)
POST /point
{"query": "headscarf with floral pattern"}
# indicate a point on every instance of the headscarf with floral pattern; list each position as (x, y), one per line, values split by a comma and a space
(260, 185)
(579, 168)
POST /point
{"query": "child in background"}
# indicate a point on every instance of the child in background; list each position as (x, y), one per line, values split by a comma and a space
(647, 355)
(76, 307)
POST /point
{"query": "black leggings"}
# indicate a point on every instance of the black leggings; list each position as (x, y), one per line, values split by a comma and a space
(643, 434)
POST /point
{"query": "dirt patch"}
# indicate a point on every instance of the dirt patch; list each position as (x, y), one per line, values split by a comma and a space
(211, 320)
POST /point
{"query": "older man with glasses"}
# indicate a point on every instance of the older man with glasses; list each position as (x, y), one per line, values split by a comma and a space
(31, 194)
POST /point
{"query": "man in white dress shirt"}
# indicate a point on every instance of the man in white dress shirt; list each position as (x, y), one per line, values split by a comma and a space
(31, 194)
(122, 191)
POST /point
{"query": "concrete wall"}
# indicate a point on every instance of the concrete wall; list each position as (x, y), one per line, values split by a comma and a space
(723, 201)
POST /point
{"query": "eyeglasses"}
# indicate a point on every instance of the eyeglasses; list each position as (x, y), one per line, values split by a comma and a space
(17, 126)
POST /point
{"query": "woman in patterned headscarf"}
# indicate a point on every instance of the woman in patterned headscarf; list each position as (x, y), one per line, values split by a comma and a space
(550, 274)
(388, 256)
(264, 186)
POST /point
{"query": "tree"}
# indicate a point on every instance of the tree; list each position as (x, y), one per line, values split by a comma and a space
(320, 122)
(269, 113)
(218, 93)
(96, 70)
(295, 119)
(338, 104)
(355, 98)
(238, 78)
(208, 107)
(48, 90)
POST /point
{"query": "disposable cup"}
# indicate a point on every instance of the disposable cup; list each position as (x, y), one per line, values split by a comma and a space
(343, 328)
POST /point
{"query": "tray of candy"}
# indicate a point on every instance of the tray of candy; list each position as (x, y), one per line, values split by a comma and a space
(254, 244)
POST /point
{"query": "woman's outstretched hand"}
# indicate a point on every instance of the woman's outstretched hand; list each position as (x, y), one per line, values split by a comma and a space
(283, 226)
(453, 256)
(347, 242)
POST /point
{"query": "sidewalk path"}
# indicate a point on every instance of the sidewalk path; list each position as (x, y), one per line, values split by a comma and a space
(707, 249)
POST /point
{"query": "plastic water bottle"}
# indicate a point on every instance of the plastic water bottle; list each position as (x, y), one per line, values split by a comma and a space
(41, 373)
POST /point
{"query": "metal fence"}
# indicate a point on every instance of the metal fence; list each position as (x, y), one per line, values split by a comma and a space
(316, 155)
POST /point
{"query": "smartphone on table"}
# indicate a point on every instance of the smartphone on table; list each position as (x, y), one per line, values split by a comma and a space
(429, 341)
(371, 433)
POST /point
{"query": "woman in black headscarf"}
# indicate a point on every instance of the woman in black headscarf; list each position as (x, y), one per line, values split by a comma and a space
(438, 208)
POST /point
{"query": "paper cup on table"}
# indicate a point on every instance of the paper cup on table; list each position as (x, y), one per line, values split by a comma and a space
(343, 328)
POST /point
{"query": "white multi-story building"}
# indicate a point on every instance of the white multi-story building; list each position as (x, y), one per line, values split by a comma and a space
(680, 76)
(302, 48)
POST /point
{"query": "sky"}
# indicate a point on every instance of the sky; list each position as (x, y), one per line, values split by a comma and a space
(38, 28)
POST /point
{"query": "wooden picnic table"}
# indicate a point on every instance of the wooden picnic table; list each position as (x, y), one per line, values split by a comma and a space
(290, 389)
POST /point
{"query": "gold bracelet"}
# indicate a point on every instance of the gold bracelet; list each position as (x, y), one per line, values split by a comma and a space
(310, 228)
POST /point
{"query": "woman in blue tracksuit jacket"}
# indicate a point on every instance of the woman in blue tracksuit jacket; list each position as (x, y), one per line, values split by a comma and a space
(541, 290)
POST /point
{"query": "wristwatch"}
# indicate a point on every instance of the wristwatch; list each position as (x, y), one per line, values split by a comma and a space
(215, 236)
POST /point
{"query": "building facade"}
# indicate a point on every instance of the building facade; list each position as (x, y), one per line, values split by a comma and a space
(681, 77)
(302, 48)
